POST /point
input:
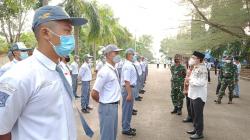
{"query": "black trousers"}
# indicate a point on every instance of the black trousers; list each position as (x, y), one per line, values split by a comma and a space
(188, 104)
(197, 106)
(208, 75)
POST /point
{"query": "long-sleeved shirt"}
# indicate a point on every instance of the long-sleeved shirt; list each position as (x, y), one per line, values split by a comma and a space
(198, 83)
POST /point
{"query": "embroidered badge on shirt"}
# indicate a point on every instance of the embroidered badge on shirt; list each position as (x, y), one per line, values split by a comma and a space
(3, 98)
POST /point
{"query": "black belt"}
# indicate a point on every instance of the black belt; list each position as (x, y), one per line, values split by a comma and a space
(114, 103)
(130, 86)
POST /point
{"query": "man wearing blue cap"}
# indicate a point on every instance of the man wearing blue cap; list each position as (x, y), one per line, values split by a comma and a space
(19, 52)
(128, 83)
(35, 97)
(107, 93)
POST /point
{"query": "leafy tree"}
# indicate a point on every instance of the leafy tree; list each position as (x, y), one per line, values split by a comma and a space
(13, 14)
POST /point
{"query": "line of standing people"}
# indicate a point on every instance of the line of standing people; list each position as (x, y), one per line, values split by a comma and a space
(114, 80)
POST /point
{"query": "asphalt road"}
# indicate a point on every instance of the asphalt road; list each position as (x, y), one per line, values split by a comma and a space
(154, 121)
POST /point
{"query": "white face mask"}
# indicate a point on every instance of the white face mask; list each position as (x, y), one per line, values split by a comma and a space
(191, 62)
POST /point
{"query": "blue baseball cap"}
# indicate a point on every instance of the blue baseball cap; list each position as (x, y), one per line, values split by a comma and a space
(19, 46)
(111, 48)
(54, 13)
(130, 51)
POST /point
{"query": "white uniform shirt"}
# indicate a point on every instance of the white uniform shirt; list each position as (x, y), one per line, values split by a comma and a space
(74, 67)
(66, 72)
(208, 65)
(128, 73)
(198, 83)
(143, 65)
(99, 65)
(107, 84)
(238, 67)
(8, 66)
(36, 105)
(138, 67)
(119, 65)
(85, 72)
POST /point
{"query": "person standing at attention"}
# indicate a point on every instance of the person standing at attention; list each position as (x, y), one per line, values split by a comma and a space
(107, 92)
(197, 92)
(74, 71)
(36, 101)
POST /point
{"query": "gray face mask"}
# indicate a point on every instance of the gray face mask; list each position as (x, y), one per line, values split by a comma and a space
(116, 59)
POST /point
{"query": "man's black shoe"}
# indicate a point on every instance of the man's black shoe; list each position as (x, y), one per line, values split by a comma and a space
(133, 129)
(129, 133)
(196, 136)
(77, 96)
(141, 92)
(134, 113)
(85, 110)
(134, 110)
(140, 97)
(174, 111)
(137, 99)
(191, 132)
(187, 120)
(89, 108)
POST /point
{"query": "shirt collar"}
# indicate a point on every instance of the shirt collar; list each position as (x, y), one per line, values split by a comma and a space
(128, 62)
(109, 65)
(15, 61)
(44, 60)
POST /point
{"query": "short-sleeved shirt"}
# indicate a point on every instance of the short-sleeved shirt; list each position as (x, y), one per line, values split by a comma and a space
(85, 72)
(8, 66)
(74, 67)
(143, 65)
(128, 73)
(34, 104)
(99, 65)
(138, 67)
(107, 84)
(66, 72)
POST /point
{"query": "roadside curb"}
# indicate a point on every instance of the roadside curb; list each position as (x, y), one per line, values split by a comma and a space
(245, 78)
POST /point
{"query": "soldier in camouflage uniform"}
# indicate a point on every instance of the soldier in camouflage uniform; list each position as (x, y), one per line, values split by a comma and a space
(228, 78)
(178, 72)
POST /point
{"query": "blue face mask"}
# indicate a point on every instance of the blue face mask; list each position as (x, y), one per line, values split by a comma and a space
(23, 55)
(66, 46)
(134, 59)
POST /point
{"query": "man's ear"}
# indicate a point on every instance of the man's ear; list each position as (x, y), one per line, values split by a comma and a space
(45, 33)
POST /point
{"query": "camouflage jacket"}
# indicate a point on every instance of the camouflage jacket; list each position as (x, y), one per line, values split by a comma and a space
(178, 73)
(228, 72)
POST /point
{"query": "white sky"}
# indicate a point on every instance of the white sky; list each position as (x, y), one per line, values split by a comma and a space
(153, 17)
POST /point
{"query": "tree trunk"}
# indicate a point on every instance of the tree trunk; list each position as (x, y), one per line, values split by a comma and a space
(76, 34)
(94, 53)
(45, 2)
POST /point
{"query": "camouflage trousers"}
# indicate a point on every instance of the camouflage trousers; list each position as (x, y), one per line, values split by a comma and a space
(177, 95)
(224, 84)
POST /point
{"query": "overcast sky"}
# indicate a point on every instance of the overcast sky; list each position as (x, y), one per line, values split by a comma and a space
(153, 17)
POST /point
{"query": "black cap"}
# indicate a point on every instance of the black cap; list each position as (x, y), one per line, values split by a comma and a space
(199, 54)
(53, 13)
